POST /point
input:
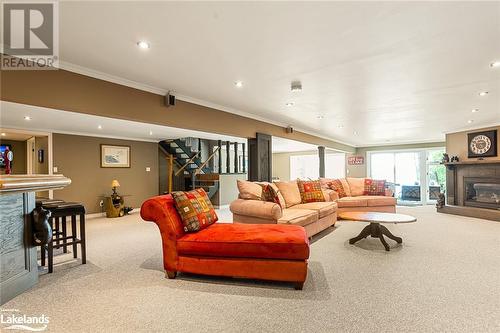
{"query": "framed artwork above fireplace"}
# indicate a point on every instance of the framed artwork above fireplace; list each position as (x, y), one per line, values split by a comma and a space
(482, 144)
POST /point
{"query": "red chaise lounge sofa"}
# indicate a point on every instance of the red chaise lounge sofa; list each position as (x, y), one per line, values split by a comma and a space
(265, 252)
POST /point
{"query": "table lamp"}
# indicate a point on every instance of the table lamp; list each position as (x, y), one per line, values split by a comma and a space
(114, 185)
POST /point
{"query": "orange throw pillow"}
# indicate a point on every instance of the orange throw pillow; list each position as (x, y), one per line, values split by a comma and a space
(195, 209)
(337, 186)
(270, 194)
(310, 191)
(374, 187)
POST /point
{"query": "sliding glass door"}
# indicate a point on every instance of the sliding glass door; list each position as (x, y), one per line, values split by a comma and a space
(415, 176)
(436, 174)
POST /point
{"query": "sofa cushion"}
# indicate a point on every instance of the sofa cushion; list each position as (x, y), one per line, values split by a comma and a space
(352, 202)
(300, 217)
(270, 193)
(330, 195)
(249, 190)
(290, 192)
(246, 241)
(345, 185)
(338, 187)
(323, 208)
(374, 187)
(377, 200)
(310, 191)
(357, 186)
(279, 200)
(195, 209)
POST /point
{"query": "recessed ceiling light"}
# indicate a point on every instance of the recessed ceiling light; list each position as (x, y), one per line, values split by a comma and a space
(150, 132)
(143, 44)
(340, 126)
(470, 121)
(320, 117)
(99, 127)
(483, 93)
(296, 86)
(355, 133)
(495, 64)
(474, 110)
(3, 134)
(238, 84)
(27, 118)
(290, 104)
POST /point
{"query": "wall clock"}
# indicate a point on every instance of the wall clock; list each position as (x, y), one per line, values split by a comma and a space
(482, 144)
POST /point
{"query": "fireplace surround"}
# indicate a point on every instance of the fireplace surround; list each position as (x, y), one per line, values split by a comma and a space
(473, 189)
(482, 192)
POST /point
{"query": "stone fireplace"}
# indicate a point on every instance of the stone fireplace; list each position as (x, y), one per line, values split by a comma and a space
(473, 189)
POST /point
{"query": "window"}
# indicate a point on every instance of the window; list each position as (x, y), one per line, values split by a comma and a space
(304, 167)
(335, 165)
(307, 166)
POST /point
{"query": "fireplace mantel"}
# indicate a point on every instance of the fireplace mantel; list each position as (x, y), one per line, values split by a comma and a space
(453, 165)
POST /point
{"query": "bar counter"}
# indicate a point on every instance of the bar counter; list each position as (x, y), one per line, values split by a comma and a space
(18, 256)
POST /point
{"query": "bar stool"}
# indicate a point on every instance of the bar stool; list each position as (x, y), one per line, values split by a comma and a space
(63, 210)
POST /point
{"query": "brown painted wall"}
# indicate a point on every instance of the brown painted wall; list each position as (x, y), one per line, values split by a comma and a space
(456, 144)
(78, 157)
(63, 90)
(19, 162)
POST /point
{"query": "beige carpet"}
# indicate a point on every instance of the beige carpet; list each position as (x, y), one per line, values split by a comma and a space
(444, 278)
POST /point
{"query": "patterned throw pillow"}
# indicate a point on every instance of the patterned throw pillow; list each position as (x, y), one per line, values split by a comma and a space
(374, 187)
(269, 193)
(310, 191)
(337, 186)
(195, 209)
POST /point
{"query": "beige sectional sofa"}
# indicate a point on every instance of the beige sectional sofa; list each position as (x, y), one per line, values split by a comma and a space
(355, 200)
(314, 216)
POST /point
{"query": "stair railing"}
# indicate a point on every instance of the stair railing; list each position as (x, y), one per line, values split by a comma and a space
(208, 160)
(187, 163)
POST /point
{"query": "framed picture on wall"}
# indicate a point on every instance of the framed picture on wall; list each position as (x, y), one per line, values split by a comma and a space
(482, 144)
(115, 156)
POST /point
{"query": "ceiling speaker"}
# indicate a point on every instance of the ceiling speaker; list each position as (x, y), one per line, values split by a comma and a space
(169, 100)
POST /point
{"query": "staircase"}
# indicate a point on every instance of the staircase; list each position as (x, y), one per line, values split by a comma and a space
(183, 150)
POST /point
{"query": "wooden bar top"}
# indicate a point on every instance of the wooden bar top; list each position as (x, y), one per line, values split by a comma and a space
(31, 183)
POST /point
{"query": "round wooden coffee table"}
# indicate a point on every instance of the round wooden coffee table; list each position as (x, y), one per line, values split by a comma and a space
(374, 229)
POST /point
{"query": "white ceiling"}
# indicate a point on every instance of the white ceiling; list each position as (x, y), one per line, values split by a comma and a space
(393, 72)
(57, 121)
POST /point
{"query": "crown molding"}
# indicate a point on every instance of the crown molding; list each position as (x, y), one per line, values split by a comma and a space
(159, 91)
(473, 128)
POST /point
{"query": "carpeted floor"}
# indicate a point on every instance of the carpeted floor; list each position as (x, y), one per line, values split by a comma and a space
(444, 278)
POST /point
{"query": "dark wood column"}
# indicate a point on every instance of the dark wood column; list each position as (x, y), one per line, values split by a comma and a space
(321, 154)
(260, 158)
